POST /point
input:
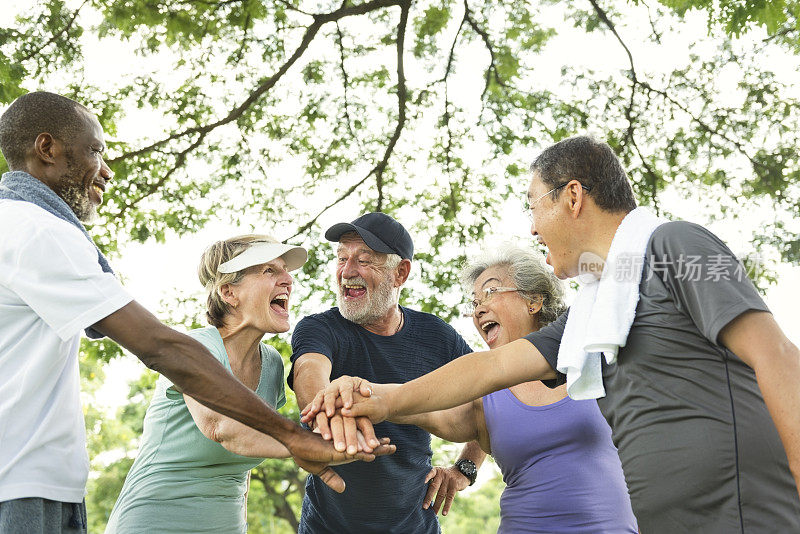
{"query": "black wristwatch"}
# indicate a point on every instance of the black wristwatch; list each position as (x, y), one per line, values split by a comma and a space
(468, 469)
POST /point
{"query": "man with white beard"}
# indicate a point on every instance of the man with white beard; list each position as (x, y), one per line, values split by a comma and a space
(366, 336)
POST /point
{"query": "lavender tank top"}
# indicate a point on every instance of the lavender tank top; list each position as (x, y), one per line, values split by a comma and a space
(562, 472)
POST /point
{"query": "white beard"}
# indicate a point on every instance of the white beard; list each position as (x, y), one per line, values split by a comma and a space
(376, 305)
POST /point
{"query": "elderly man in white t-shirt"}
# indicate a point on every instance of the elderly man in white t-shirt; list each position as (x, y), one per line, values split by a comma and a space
(54, 283)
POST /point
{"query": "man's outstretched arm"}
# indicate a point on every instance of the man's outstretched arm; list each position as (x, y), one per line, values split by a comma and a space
(193, 370)
(189, 365)
(464, 379)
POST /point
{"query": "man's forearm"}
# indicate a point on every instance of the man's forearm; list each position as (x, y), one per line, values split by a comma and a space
(469, 377)
(311, 374)
(188, 365)
(779, 386)
(307, 387)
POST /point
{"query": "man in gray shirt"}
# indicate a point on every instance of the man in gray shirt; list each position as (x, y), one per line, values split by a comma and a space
(701, 449)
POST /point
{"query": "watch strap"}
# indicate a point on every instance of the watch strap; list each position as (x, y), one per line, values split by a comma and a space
(468, 469)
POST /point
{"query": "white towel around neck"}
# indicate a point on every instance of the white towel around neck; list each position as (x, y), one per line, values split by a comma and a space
(603, 310)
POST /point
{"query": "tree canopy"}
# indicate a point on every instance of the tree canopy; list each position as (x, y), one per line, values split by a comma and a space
(429, 110)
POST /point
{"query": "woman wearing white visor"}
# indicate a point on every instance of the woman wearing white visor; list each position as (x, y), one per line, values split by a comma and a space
(192, 469)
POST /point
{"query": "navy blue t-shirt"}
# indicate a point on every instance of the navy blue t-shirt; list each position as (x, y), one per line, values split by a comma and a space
(385, 495)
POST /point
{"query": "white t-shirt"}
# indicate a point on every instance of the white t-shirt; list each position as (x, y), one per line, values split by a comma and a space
(51, 288)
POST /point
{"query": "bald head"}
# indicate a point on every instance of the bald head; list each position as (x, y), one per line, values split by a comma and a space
(36, 113)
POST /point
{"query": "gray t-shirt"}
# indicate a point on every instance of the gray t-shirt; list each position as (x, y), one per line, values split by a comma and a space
(698, 447)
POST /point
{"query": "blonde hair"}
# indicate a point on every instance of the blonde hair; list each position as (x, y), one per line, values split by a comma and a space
(213, 280)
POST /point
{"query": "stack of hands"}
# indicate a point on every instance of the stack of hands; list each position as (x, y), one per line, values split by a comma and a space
(345, 412)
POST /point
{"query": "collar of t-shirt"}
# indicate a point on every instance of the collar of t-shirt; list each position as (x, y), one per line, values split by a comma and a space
(19, 185)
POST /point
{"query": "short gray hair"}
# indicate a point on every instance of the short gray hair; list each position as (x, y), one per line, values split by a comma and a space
(591, 162)
(529, 273)
(392, 261)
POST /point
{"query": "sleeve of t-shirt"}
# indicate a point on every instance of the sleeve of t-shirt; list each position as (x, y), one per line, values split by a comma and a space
(277, 363)
(461, 346)
(55, 272)
(704, 277)
(547, 340)
(311, 335)
(217, 350)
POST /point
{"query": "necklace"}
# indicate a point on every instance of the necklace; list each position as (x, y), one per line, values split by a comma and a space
(400, 324)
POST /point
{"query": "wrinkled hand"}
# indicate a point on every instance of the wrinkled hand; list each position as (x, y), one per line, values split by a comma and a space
(376, 407)
(348, 434)
(340, 442)
(323, 415)
(337, 394)
(443, 482)
(355, 397)
(314, 454)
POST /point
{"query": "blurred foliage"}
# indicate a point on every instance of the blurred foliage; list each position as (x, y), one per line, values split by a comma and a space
(283, 111)
(780, 18)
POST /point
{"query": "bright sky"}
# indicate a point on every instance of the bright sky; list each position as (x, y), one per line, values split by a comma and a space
(154, 272)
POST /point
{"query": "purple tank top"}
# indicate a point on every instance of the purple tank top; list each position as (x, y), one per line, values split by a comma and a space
(562, 472)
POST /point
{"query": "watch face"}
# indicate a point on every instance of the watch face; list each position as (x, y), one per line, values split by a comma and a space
(467, 468)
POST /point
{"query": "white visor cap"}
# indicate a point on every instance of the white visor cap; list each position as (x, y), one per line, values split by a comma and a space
(262, 252)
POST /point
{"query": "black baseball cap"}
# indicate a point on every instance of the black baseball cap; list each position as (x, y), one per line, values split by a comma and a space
(380, 232)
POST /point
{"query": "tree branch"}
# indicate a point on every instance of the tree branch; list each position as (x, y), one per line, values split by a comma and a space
(311, 32)
(180, 160)
(345, 84)
(451, 55)
(654, 31)
(402, 98)
(445, 78)
(290, 7)
(634, 80)
(341, 197)
(491, 70)
(705, 127)
(55, 36)
(245, 28)
(282, 507)
(786, 30)
(651, 174)
(380, 167)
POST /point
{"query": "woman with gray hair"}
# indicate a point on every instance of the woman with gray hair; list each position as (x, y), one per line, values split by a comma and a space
(562, 472)
(191, 473)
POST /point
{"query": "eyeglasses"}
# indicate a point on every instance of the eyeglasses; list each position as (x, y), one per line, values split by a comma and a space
(529, 206)
(471, 306)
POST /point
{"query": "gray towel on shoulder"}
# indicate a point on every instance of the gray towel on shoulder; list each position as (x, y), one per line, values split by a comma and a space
(19, 185)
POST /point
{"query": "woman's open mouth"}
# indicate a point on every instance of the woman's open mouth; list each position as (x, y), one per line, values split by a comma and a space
(491, 330)
(280, 304)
